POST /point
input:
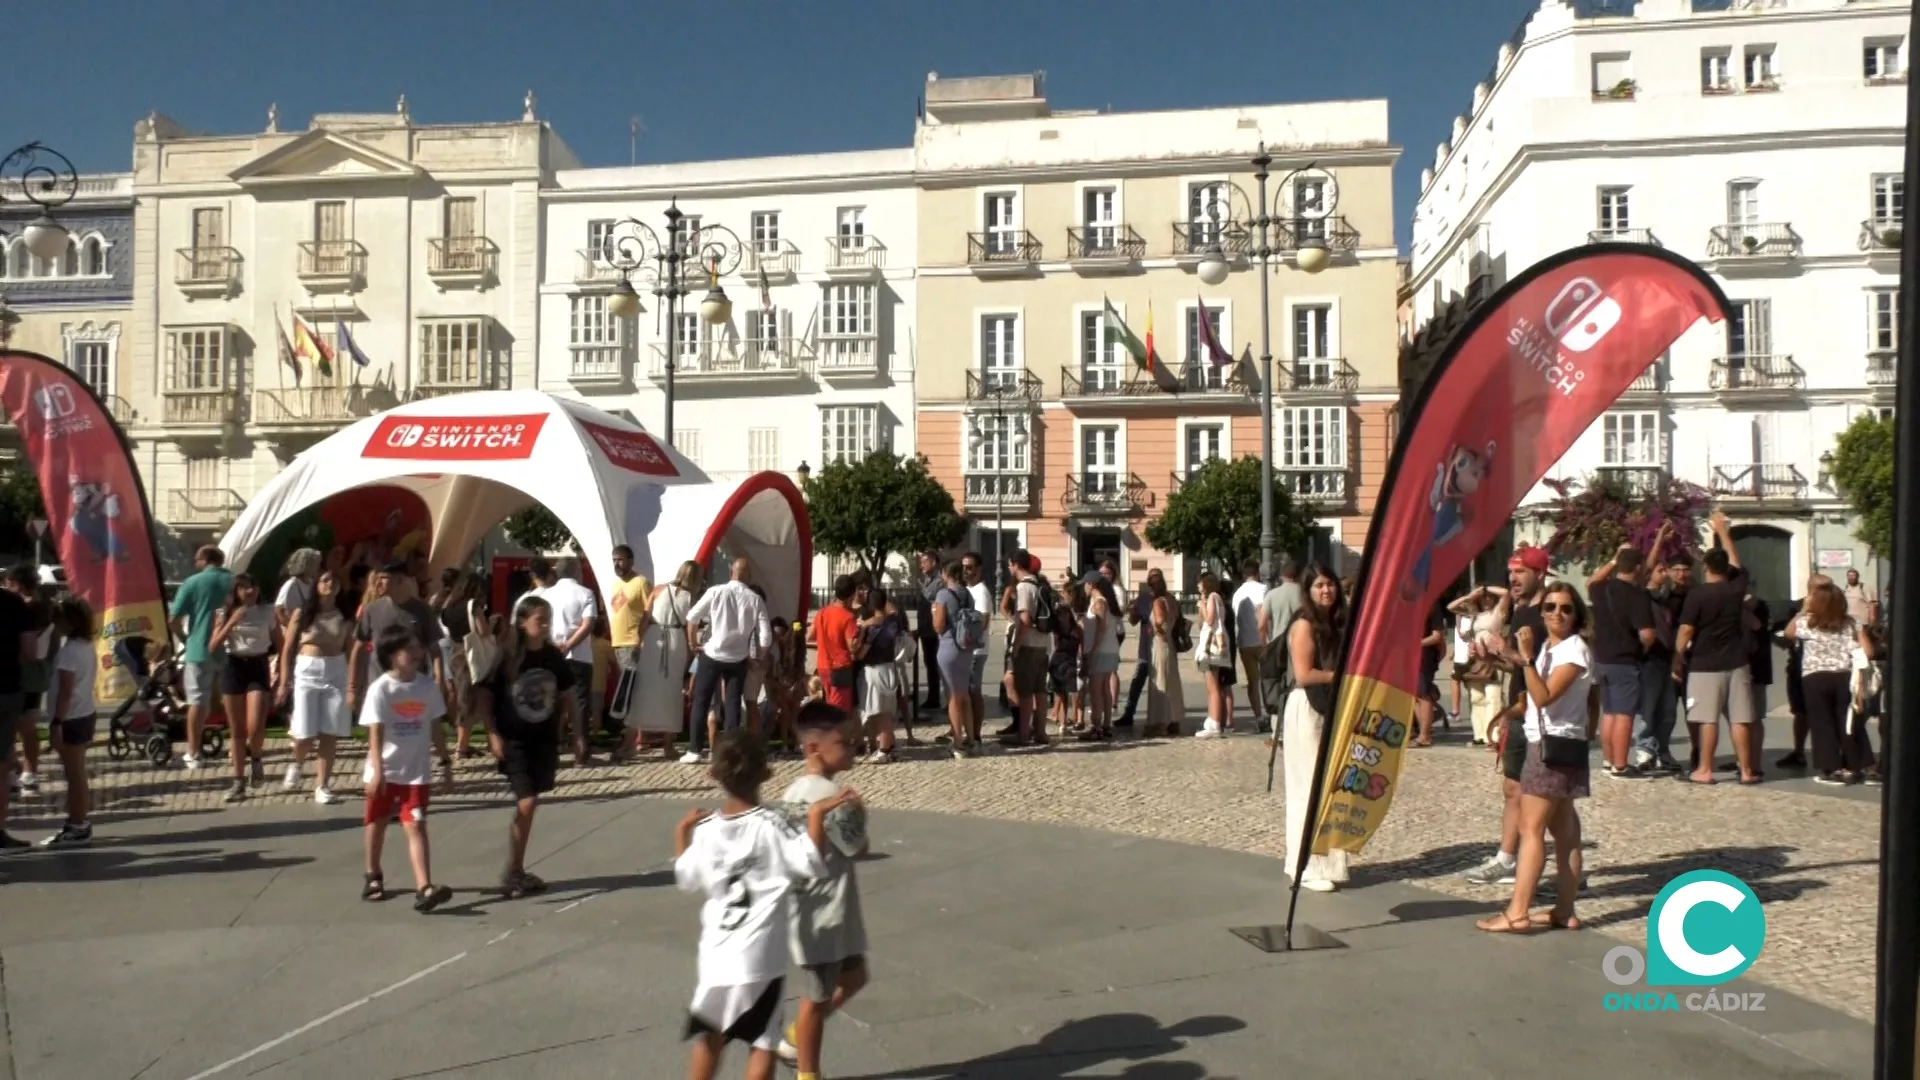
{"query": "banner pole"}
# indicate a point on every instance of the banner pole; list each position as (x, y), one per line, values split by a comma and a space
(1898, 968)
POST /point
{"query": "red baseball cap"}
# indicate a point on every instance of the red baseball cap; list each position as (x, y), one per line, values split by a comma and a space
(1528, 557)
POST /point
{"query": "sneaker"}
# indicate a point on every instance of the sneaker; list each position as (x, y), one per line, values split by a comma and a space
(325, 796)
(789, 1054)
(1830, 779)
(1491, 872)
(691, 757)
(1627, 772)
(1666, 764)
(291, 780)
(1208, 730)
(1317, 885)
(29, 782)
(879, 757)
(70, 836)
(238, 791)
(258, 774)
(190, 762)
(962, 751)
(13, 845)
(1641, 759)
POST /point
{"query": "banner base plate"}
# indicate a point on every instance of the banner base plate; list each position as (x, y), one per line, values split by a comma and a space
(1274, 939)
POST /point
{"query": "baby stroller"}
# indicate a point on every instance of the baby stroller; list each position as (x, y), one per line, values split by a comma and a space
(155, 715)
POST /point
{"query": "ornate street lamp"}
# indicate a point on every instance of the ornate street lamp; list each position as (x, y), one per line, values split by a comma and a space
(1310, 235)
(47, 180)
(633, 245)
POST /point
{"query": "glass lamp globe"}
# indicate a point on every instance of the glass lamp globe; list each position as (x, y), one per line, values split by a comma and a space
(1312, 258)
(715, 308)
(623, 302)
(1213, 267)
(45, 238)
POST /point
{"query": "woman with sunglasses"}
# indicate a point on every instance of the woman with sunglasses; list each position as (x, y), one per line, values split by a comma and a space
(1559, 730)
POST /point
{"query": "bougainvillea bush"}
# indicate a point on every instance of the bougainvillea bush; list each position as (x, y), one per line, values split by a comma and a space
(1592, 518)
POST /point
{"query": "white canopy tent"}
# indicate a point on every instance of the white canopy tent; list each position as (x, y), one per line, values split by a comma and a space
(474, 459)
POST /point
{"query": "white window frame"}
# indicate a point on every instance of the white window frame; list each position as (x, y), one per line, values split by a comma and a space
(1883, 59)
(1187, 210)
(218, 377)
(842, 299)
(90, 335)
(848, 432)
(596, 338)
(1750, 315)
(1888, 201)
(1110, 233)
(1294, 438)
(1190, 347)
(1182, 447)
(686, 232)
(1624, 435)
(1613, 209)
(1749, 187)
(763, 449)
(1008, 432)
(1603, 86)
(1760, 66)
(1109, 373)
(472, 330)
(687, 348)
(850, 227)
(687, 442)
(764, 232)
(1117, 470)
(1001, 238)
(1716, 70)
(1006, 368)
(600, 240)
(1883, 322)
(1322, 368)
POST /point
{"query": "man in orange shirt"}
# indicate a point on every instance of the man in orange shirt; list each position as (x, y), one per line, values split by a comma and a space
(833, 631)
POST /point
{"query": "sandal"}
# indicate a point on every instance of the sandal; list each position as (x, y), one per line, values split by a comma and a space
(374, 889)
(529, 884)
(1552, 920)
(511, 887)
(1506, 924)
(430, 897)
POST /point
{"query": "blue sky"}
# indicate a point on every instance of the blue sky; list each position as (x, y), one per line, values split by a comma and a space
(723, 78)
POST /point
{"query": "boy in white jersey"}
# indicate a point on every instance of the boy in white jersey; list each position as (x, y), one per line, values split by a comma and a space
(745, 860)
(829, 933)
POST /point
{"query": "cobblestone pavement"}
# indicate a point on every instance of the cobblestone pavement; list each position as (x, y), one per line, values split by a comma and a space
(1812, 860)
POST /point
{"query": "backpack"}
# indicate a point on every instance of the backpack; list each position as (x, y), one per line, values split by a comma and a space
(1043, 604)
(969, 631)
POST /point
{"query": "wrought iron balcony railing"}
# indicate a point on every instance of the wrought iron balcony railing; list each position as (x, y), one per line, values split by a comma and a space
(1634, 480)
(1202, 377)
(770, 358)
(217, 507)
(1775, 240)
(1323, 486)
(1194, 238)
(1328, 376)
(591, 267)
(214, 267)
(857, 354)
(455, 256)
(1003, 247)
(1105, 242)
(778, 259)
(1764, 481)
(199, 407)
(303, 406)
(855, 254)
(1008, 491)
(1104, 493)
(1651, 381)
(1001, 385)
(1332, 232)
(1623, 236)
(1741, 374)
(1882, 369)
(1882, 235)
(332, 259)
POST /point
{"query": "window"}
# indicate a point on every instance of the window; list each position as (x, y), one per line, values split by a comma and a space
(852, 228)
(1716, 71)
(1198, 369)
(17, 260)
(1613, 75)
(1206, 213)
(1883, 60)
(1743, 203)
(209, 228)
(998, 214)
(1761, 74)
(1000, 350)
(848, 432)
(93, 257)
(461, 218)
(763, 449)
(70, 260)
(600, 239)
(329, 221)
(1312, 437)
(1889, 199)
(763, 328)
(686, 233)
(1750, 331)
(766, 232)
(197, 358)
(686, 336)
(1630, 439)
(1100, 459)
(1099, 214)
(849, 311)
(206, 472)
(92, 361)
(1615, 215)
(1205, 442)
(1310, 208)
(1313, 360)
(596, 338)
(1100, 366)
(1883, 336)
(999, 442)
(453, 352)
(687, 441)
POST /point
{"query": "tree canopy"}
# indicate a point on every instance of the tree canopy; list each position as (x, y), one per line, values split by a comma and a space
(538, 530)
(1215, 516)
(19, 500)
(881, 505)
(1863, 474)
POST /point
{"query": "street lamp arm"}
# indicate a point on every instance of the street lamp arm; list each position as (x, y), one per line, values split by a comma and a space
(45, 176)
(631, 244)
(716, 249)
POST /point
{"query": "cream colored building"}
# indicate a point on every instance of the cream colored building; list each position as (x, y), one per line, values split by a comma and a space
(423, 241)
(1030, 219)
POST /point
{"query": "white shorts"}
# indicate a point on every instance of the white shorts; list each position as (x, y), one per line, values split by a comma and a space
(754, 1013)
(319, 698)
(879, 686)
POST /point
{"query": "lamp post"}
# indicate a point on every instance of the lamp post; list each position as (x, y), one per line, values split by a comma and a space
(9, 319)
(1310, 255)
(632, 244)
(1003, 440)
(47, 180)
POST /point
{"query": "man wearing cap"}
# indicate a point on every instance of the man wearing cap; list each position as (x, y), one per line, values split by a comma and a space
(1526, 581)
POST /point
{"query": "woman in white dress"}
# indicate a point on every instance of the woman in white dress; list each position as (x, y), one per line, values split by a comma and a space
(314, 656)
(1313, 644)
(660, 698)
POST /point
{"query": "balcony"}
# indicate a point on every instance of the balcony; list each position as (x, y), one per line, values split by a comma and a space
(773, 361)
(1201, 377)
(849, 359)
(1752, 247)
(1317, 378)
(208, 410)
(332, 265)
(600, 367)
(855, 258)
(1009, 492)
(1104, 249)
(1478, 290)
(203, 508)
(1759, 482)
(1750, 378)
(462, 261)
(778, 260)
(305, 409)
(1104, 495)
(1883, 370)
(1332, 233)
(1649, 383)
(1633, 481)
(1881, 239)
(1624, 236)
(1322, 487)
(1004, 253)
(1193, 239)
(591, 267)
(998, 385)
(207, 271)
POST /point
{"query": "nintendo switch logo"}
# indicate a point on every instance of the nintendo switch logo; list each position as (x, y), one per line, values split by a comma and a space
(1581, 315)
(55, 402)
(455, 438)
(403, 435)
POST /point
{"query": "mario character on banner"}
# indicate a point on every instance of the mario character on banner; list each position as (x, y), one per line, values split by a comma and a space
(1530, 371)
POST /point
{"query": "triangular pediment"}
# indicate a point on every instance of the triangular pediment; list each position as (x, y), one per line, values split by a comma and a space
(322, 155)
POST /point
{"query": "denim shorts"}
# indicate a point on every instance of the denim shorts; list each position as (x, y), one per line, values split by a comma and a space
(1619, 688)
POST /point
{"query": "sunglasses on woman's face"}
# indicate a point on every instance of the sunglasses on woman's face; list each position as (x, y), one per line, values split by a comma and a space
(1556, 609)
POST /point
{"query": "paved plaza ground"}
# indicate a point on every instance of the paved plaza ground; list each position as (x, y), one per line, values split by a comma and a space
(1057, 913)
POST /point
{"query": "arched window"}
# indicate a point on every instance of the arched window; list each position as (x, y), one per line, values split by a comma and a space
(93, 257)
(17, 260)
(70, 262)
(6, 270)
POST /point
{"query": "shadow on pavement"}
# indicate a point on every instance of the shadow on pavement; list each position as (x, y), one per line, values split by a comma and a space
(96, 864)
(1077, 1046)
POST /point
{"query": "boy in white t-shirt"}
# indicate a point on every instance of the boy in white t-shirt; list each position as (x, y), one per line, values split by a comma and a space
(401, 710)
(71, 717)
(745, 860)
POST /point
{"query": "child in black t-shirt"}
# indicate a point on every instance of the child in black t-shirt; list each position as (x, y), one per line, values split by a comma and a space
(532, 699)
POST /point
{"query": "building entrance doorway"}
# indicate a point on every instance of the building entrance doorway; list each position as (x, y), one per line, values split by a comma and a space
(1092, 546)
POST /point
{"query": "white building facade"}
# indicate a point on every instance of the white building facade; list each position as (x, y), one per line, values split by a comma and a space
(1763, 140)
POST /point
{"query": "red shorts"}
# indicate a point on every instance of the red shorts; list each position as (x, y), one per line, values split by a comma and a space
(407, 800)
(841, 697)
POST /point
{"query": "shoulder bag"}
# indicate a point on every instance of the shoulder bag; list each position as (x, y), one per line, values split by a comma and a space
(1559, 751)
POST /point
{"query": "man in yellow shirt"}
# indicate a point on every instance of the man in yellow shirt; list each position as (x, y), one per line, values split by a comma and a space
(626, 606)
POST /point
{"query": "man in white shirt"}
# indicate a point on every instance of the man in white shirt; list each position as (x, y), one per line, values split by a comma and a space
(574, 610)
(1252, 644)
(737, 630)
(976, 577)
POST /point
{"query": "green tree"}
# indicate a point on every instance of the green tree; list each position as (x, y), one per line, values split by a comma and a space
(879, 506)
(536, 529)
(1215, 516)
(19, 501)
(1863, 474)
(1592, 518)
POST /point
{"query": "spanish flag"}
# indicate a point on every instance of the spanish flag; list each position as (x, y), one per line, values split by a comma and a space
(309, 344)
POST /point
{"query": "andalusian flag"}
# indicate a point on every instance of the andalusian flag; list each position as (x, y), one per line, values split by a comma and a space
(308, 344)
(286, 347)
(1143, 355)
